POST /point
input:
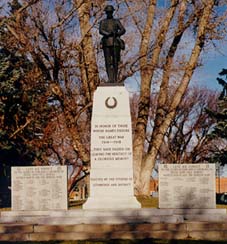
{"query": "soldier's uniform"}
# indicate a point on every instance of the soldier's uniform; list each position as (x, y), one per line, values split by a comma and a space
(111, 29)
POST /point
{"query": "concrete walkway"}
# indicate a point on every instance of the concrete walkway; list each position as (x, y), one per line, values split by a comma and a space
(194, 224)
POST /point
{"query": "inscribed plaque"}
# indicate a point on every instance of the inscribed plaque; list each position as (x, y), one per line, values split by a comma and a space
(187, 186)
(39, 188)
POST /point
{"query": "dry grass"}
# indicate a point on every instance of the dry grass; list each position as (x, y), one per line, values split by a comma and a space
(5, 209)
(146, 202)
(221, 206)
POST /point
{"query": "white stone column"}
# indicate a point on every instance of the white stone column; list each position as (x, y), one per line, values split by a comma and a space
(111, 175)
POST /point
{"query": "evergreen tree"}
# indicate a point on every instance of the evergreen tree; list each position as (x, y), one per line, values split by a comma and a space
(220, 129)
(14, 109)
(21, 112)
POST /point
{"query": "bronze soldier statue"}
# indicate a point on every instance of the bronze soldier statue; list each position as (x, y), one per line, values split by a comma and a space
(111, 43)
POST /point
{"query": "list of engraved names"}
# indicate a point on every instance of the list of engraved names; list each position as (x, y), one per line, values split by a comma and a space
(187, 186)
(39, 188)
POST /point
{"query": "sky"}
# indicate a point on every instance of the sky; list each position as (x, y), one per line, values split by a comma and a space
(213, 63)
(205, 75)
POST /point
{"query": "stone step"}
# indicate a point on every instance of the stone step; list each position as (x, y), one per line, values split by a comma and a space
(205, 218)
(143, 212)
(190, 230)
(91, 219)
(80, 216)
(92, 236)
(105, 228)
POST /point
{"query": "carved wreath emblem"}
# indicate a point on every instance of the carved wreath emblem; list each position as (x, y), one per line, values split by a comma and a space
(111, 102)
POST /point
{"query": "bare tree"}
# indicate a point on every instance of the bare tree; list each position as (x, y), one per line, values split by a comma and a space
(198, 15)
(60, 39)
(187, 139)
(57, 40)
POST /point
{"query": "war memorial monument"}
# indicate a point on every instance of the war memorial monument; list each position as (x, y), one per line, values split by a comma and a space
(111, 176)
(187, 208)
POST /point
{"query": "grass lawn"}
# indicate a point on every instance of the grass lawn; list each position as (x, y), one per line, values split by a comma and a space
(146, 202)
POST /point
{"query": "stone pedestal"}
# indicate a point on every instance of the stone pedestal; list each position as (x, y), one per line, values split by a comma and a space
(111, 176)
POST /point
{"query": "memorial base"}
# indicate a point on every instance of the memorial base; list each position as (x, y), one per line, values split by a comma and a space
(112, 203)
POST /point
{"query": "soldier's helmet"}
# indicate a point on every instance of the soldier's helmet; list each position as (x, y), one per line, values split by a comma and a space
(109, 8)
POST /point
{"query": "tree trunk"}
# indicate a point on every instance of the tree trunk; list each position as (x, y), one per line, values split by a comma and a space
(157, 139)
(140, 131)
(147, 71)
(88, 66)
